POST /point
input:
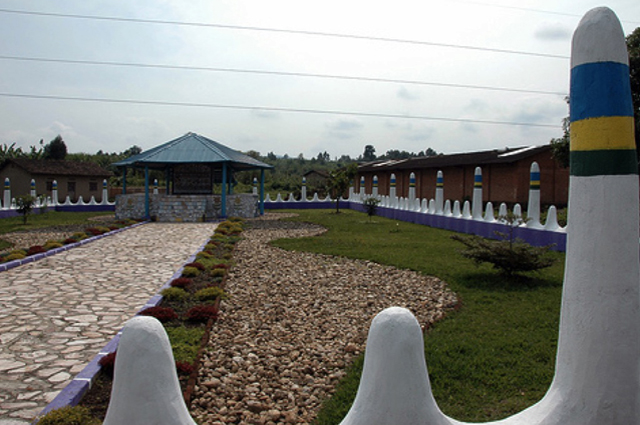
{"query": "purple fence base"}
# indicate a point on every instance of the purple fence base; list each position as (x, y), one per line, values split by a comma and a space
(535, 237)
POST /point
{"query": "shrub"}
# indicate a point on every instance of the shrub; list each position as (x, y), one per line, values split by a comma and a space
(114, 227)
(25, 205)
(371, 206)
(79, 236)
(93, 231)
(70, 241)
(204, 254)
(197, 265)
(218, 272)
(77, 415)
(202, 313)
(163, 314)
(190, 272)
(107, 363)
(181, 282)
(15, 256)
(36, 249)
(211, 294)
(18, 252)
(509, 255)
(174, 294)
(52, 245)
(184, 368)
(221, 266)
(185, 342)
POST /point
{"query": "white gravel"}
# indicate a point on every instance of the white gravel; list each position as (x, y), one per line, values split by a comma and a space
(294, 322)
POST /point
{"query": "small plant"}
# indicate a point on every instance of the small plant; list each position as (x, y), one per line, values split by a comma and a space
(70, 241)
(509, 254)
(79, 236)
(108, 363)
(371, 206)
(76, 415)
(36, 249)
(163, 314)
(197, 265)
(202, 313)
(218, 272)
(184, 368)
(211, 294)
(174, 294)
(15, 256)
(181, 282)
(25, 204)
(52, 245)
(190, 272)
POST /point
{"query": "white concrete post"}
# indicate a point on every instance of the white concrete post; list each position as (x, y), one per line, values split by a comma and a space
(255, 186)
(393, 198)
(374, 190)
(32, 191)
(155, 186)
(476, 207)
(6, 203)
(362, 191)
(54, 193)
(303, 190)
(533, 207)
(439, 193)
(412, 187)
(146, 389)
(105, 193)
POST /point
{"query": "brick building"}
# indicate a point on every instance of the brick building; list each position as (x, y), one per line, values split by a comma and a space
(505, 175)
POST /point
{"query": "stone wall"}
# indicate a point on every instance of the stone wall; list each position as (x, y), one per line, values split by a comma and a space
(188, 208)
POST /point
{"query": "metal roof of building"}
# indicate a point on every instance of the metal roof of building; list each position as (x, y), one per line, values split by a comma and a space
(192, 148)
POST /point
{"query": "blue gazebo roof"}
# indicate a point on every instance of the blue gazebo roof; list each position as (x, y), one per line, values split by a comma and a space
(192, 148)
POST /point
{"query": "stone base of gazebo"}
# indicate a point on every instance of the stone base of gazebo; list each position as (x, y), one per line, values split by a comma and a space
(187, 208)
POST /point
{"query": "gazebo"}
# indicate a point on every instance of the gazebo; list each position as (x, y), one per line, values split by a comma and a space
(192, 165)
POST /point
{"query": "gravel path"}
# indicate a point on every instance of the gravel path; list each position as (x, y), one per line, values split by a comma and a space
(294, 321)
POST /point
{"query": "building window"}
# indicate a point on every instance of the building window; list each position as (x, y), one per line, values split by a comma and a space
(71, 187)
(49, 185)
(93, 187)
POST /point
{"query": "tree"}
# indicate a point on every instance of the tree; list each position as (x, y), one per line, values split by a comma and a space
(55, 149)
(339, 181)
(25, 204)
(430, 152)
(369, 153)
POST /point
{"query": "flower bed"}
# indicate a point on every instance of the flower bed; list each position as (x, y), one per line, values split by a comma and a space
(18, 256)
(188, 310)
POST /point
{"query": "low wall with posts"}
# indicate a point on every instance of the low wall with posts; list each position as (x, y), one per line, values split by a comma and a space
(8, 204)
(467, 217)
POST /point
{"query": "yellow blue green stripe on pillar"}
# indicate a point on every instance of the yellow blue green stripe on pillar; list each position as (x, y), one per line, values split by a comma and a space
(602, 133)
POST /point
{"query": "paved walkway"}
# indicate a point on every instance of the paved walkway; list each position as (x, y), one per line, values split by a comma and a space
(57, 313)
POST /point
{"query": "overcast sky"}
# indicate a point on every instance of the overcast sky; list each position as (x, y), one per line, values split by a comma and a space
(490, 44)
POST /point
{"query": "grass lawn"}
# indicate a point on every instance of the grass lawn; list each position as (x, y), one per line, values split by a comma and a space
(48, 219)
(493, 357)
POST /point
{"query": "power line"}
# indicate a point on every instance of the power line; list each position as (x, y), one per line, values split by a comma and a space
(278, 73)
(282, 31)
(272, 109)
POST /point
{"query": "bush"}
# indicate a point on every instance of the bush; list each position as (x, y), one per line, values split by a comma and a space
(196, 265)
(52, 245)
(107, 364)
(36, 249)
(70, 241)
(190, 272)
(174, 294)
(218, 272)
(202, 313)
(507, 256)
(163, 314)
(77, 415)
(181, 282)
(15, 256)
(79, 236)
(211, 294)
(184, 368)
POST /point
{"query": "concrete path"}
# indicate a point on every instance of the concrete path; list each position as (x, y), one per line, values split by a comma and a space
(57, 313)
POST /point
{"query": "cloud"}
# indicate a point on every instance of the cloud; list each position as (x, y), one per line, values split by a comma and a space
(552, 32)
(405, 94)
(344, 128)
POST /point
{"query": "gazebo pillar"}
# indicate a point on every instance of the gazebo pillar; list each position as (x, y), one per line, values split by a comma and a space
(146, 192)
(262, 191)
(124, 181)
(223, 209)
(167, 173)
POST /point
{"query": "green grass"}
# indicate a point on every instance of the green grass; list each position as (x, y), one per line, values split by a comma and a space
(185, 342)
(493, 357)
(50, 218)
